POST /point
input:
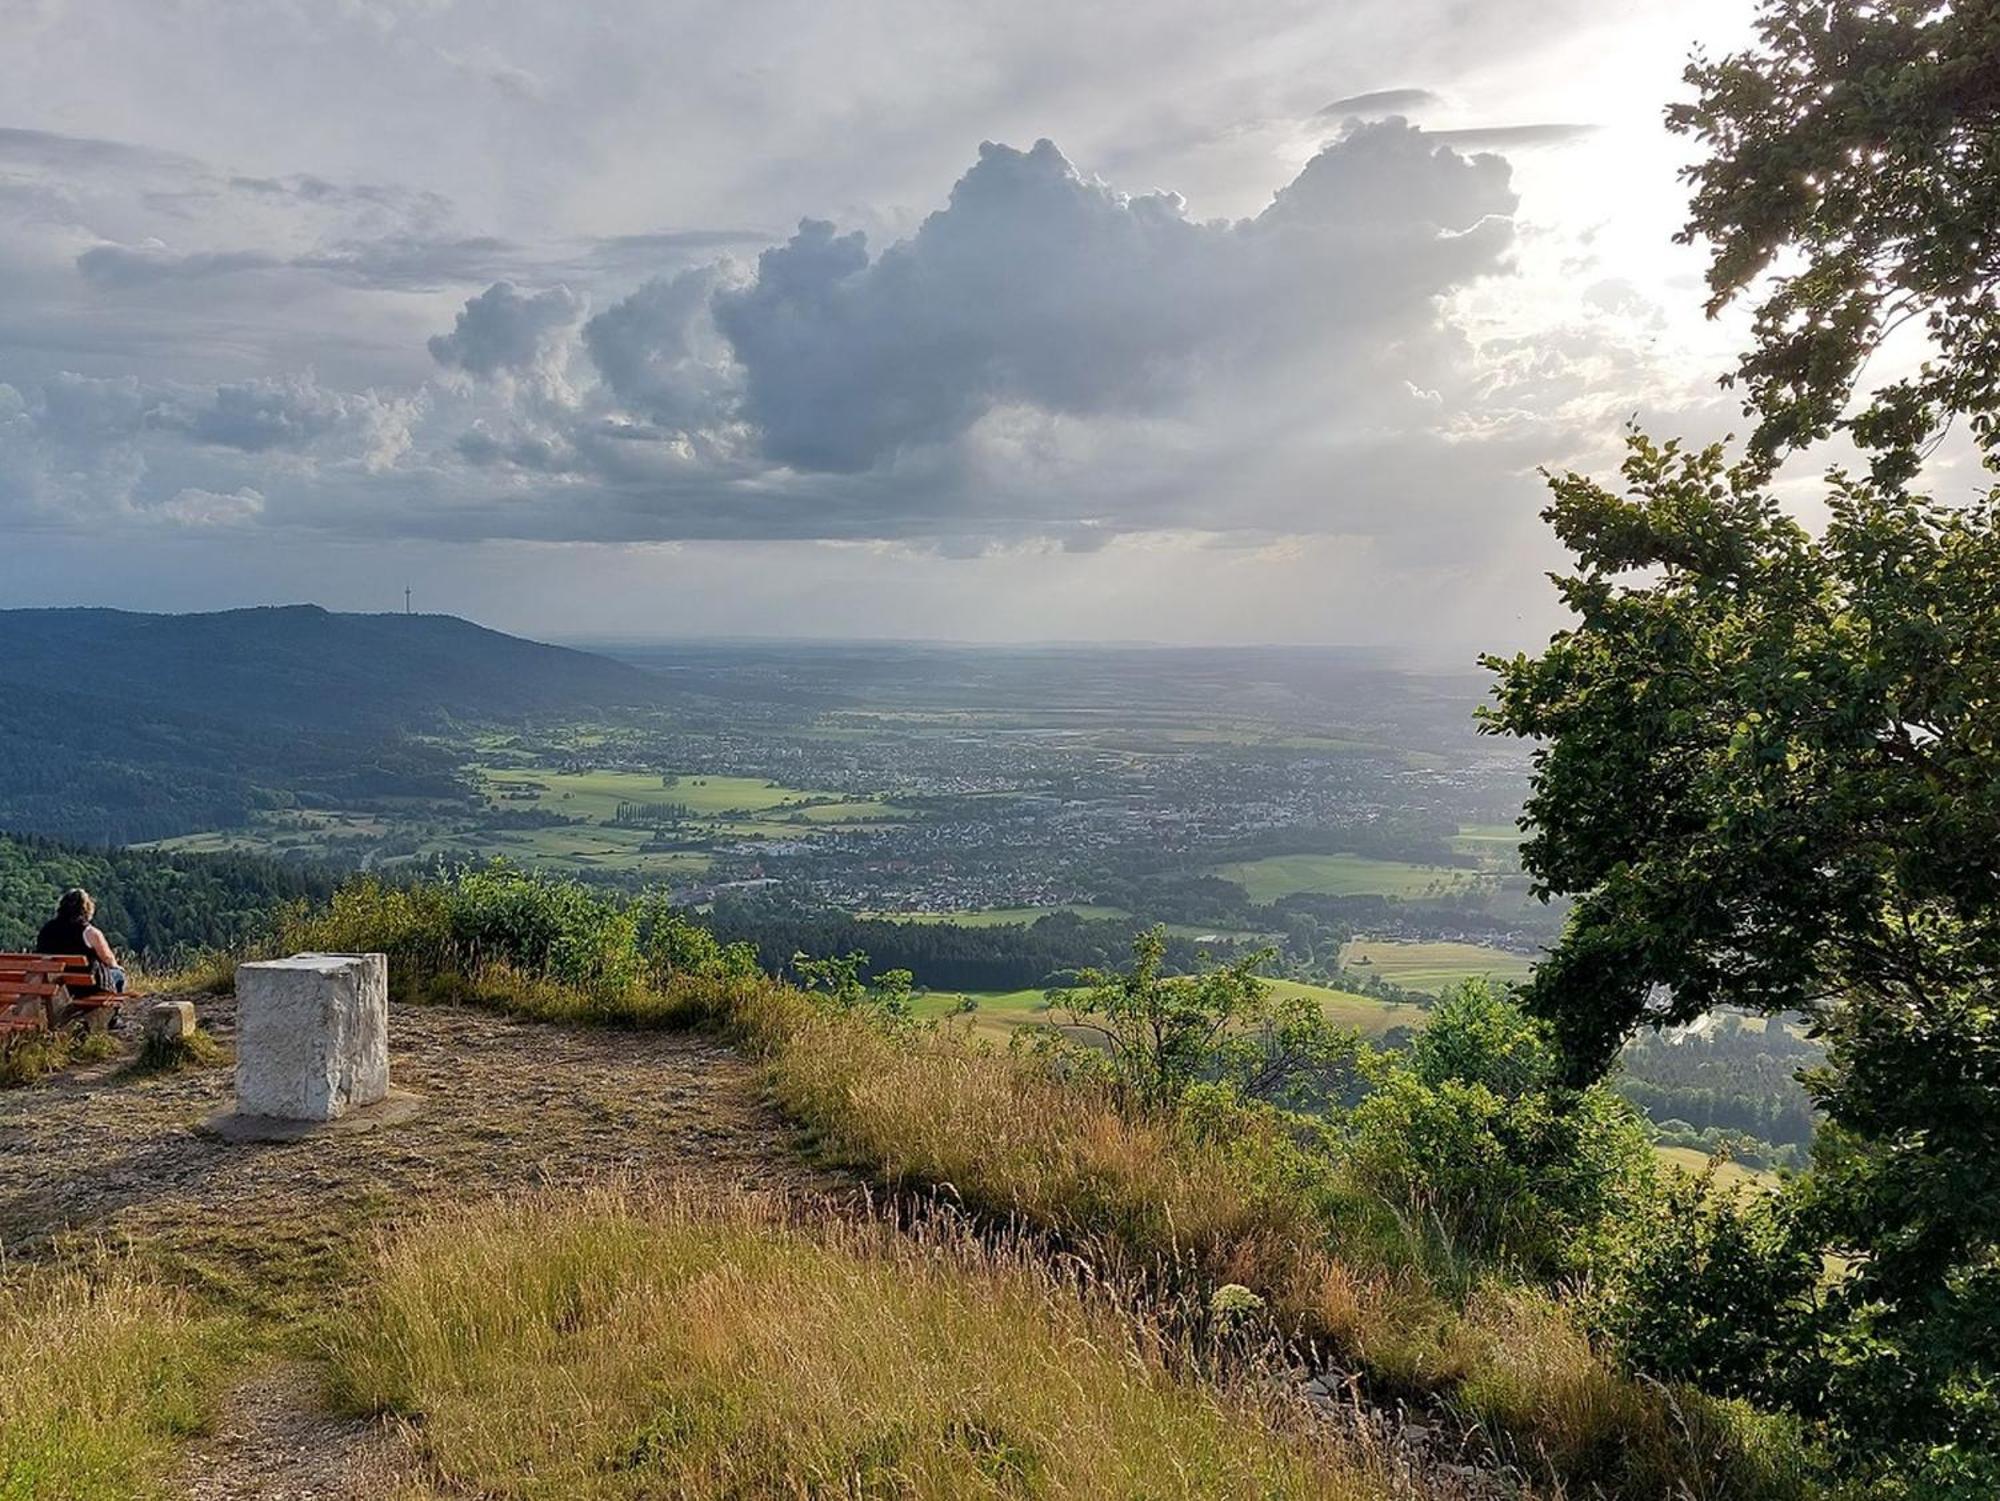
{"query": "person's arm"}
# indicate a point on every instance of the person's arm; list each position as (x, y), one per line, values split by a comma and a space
(99, 945)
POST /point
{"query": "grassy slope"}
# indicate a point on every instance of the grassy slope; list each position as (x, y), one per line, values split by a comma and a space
(601, 1347)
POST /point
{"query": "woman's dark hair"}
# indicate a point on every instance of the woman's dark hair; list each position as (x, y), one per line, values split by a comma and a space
(77, 905)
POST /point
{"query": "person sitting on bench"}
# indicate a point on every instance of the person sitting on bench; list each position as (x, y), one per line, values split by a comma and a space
(71, 931)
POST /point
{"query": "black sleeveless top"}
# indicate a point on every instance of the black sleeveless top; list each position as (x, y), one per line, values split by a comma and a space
(63, 936)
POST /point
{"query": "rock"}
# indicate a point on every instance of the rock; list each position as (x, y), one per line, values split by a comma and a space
(312, 1035)
(170, 1021)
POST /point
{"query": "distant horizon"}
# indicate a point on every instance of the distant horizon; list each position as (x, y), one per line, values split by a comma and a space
(609, 644)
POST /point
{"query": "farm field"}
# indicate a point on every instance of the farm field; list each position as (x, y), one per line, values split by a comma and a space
(1430, 967)
(1000, 1013)
(1727, 1174)
(1344, 875)
(597, 794)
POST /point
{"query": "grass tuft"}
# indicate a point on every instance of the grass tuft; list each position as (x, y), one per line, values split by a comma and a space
(173, 1055)
(104, 1370)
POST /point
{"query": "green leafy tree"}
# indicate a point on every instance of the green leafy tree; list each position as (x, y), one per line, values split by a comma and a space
(1769, 770)
(1159, 1034)
(1857, 149)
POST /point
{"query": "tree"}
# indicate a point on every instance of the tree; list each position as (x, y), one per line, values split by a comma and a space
(1157, 1034)
(1769, 769)
(1860, 141)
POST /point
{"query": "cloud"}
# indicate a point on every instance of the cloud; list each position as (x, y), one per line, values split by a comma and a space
(1039, 287)
(1379, 102)
(390, 262)
(150, 264)
(659, 352)
(57, 152)
(259, 415)
(1499, 137)
(502, 330)
(196, 507)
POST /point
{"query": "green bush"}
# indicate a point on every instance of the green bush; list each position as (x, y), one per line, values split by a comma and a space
(540, 943)
(1473, 1131)
(1717, 1290)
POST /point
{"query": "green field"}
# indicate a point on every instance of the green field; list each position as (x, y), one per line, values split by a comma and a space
(1495, 845)
(596, 794)
(1727, 1174)
(1000, 1013)
(1344, 875)
(1430, 967)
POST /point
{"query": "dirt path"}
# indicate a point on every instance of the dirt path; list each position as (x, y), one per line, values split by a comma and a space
(273, 1442)
(282, 1231)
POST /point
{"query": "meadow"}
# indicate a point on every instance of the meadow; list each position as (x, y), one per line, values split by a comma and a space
(1345, 875)
(998, 1014)
(1430, 967)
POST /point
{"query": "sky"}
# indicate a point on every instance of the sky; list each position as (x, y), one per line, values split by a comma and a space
(1174, 321)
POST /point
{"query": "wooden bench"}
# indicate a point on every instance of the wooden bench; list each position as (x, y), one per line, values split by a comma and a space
(40, 992)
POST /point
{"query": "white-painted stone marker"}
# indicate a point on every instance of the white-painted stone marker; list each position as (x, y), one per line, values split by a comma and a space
(170, 1021)
(312, 1035)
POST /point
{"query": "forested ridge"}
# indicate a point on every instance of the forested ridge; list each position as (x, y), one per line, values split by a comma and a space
(154, 906)
(125, 727)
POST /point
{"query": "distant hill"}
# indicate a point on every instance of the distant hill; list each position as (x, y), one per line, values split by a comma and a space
(120, 727)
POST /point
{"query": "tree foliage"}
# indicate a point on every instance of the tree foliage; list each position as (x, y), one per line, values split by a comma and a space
(1769, 768)
(1157, 1034)
(1856, 151)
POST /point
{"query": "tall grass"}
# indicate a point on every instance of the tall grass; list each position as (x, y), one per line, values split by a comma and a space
(1226, 1194)
(101, 1371)
(603, 1347)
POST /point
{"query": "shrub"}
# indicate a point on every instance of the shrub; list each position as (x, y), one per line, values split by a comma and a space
(1716, 1290)
(1155, 1035)
(1473, 1130)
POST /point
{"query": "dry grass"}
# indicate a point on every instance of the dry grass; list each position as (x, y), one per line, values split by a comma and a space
(605, 1347)
(1236, 1200)
(162, 1055)
(101, 1371)
(29, 1056)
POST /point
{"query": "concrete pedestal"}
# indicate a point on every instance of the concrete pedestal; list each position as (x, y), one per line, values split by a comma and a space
(312, 1035)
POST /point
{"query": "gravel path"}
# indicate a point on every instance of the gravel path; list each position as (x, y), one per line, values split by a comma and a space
(281, 1230)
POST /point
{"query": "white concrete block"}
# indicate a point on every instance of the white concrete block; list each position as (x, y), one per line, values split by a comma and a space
(312, 1035)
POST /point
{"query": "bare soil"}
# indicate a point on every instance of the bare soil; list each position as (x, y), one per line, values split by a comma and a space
(281, 1231)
